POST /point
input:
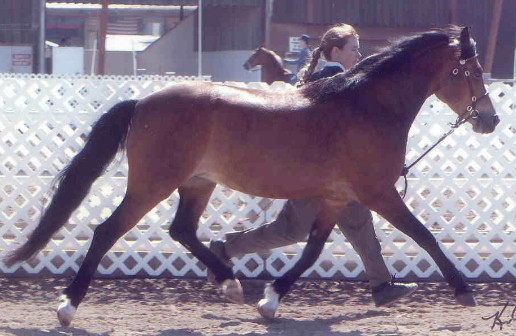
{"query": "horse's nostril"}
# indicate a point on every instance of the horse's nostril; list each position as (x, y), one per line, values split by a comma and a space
(496, 119)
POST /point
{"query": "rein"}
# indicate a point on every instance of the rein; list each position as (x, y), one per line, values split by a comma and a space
(471, 112)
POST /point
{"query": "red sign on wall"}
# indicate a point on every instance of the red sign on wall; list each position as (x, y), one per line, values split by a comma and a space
(21, 59)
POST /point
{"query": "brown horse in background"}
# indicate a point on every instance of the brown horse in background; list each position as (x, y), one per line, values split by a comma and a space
(272, 66)
(337, 140)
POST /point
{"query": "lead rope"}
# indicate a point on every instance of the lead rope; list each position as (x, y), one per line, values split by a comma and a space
(473, 113)
(406, 168)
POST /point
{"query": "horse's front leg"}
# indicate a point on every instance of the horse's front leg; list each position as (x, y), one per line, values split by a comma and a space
(194, 195)
(391, 207)
(278, 289)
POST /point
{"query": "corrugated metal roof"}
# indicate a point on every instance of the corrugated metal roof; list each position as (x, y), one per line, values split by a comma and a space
(98, 6)
(172, 2)
(133, 2)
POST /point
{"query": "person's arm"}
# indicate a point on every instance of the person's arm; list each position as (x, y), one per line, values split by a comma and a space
(293, 60)
(301, 59)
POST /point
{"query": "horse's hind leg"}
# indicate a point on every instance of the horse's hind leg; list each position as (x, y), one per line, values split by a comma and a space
(274, 293)
(392, 208)
(130, 211)
(193, 198)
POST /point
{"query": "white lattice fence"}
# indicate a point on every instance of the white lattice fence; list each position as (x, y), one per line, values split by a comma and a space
(464, 191)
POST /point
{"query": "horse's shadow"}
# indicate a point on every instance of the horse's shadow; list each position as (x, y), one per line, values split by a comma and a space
(290, 326)
(70, 331)
(319, 326)
(280, 326)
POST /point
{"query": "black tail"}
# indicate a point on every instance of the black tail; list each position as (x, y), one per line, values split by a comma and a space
(106, 138)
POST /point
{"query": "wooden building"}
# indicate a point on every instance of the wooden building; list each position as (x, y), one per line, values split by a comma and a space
(243, 25)
(378, 21)
(19, 35)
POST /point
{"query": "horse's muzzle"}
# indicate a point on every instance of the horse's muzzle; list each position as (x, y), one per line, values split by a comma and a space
(496, 119)
(486, 123)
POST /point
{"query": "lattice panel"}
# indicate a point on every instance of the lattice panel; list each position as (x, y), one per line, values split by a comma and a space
(464, 191)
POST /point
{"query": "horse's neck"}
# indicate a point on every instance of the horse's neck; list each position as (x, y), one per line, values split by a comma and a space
(406, 97)
(274, 66)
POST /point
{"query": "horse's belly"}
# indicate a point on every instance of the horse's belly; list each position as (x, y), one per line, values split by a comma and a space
(277, 182)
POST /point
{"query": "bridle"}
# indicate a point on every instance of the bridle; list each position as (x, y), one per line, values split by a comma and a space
(247, 64)
(471, 112)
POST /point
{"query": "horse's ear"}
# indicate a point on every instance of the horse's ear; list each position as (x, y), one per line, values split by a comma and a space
(467, 45)
(465, 35)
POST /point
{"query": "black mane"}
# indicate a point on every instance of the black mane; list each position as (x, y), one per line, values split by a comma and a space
(394, 59)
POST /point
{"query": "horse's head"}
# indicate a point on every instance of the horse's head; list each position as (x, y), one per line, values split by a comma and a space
(463, 88)
(260, 57)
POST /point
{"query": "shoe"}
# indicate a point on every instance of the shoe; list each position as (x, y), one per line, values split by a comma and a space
(390, 292)
(217, 247)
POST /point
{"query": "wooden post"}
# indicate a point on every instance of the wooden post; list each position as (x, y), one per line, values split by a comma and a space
(41, 37)
(199, 38)
(269, 6)
(493, 35)
(453, 12)
(102, 37)
(310, 15)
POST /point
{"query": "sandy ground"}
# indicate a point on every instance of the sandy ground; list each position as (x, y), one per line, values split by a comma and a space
(195, 307)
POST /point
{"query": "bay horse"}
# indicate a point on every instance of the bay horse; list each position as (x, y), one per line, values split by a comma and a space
(272, 66)
(336, 140)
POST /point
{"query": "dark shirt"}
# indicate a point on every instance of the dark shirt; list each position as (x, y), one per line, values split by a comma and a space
(327, 71)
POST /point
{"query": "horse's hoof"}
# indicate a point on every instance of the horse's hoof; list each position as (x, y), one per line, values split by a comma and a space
(65, 311)
(466, 298)
(269, 304)
(233, 290)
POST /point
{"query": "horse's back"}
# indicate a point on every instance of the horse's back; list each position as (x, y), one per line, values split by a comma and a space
(208, 95)
(226, 134)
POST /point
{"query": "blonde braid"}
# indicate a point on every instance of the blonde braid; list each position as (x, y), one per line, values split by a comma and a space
(316, 54)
